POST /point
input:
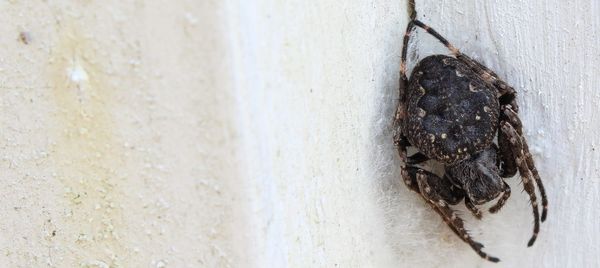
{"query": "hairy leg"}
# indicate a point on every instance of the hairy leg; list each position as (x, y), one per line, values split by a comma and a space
(429, 190)
(506, 158)
(474, 210)
(401, 110)
(526, 174)
(505, 195)
(507, 97)
(506, 93)
(514, 120)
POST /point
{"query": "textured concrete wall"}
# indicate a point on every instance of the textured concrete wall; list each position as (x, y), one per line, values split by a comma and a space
(117, 136)
(258, 134)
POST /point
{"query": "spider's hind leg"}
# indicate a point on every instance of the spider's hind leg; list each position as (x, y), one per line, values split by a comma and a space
(471, 206)
(436, 192)
(506, 93)
(526, 174)
(442, 188)
(506, 158)
(513, 119)
(505, 195)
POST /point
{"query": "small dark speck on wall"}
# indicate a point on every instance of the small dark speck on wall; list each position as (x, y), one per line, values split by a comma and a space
(25, 38)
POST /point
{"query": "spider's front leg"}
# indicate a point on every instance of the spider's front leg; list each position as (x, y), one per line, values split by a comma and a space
(505, 195)
(506, 93)
(439, 194)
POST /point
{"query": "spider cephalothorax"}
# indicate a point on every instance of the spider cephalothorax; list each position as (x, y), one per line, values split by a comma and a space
(452, 109)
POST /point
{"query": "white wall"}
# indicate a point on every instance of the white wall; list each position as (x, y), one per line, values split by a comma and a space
(316, 88)
(234, 134)
(549, 51)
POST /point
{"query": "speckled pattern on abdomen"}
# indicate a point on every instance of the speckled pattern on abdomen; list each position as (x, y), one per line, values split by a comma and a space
(452, 113)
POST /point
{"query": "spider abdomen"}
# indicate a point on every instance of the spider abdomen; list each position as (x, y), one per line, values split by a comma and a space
(456, 111)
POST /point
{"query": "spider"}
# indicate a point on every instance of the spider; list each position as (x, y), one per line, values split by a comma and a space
(452, 109)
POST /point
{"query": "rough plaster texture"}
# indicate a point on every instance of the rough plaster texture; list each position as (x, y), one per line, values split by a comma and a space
(257, 134)
(116, 137)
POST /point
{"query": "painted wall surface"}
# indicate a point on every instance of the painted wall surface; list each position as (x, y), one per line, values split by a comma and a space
(317, 86)
(548, 50)
(258, 133)
(116, 137)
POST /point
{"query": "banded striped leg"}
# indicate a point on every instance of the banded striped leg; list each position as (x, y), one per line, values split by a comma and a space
(438, 36)
(401, 110)
(509, 113)
(474, 210)
(525, 172)
(507, 165)
(400, 139)
(414, 186)
(505, 195)
(417, 179)
(506, 92)
(514, 120)
(433, 193)
(409, 176)
(507, 96)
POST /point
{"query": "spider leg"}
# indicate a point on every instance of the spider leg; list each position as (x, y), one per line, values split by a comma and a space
(506, 158)
(452, 198)
(430, 191)
(417, 179)
(410, 180)
(401, 110)
(411, 177)
(506, 93)
(474, 210)
(399, 139)
(439, 37)
(526, 174)
(401, 143)
(507, 98)
(505, 195)
(441, 187)
(514, 120)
